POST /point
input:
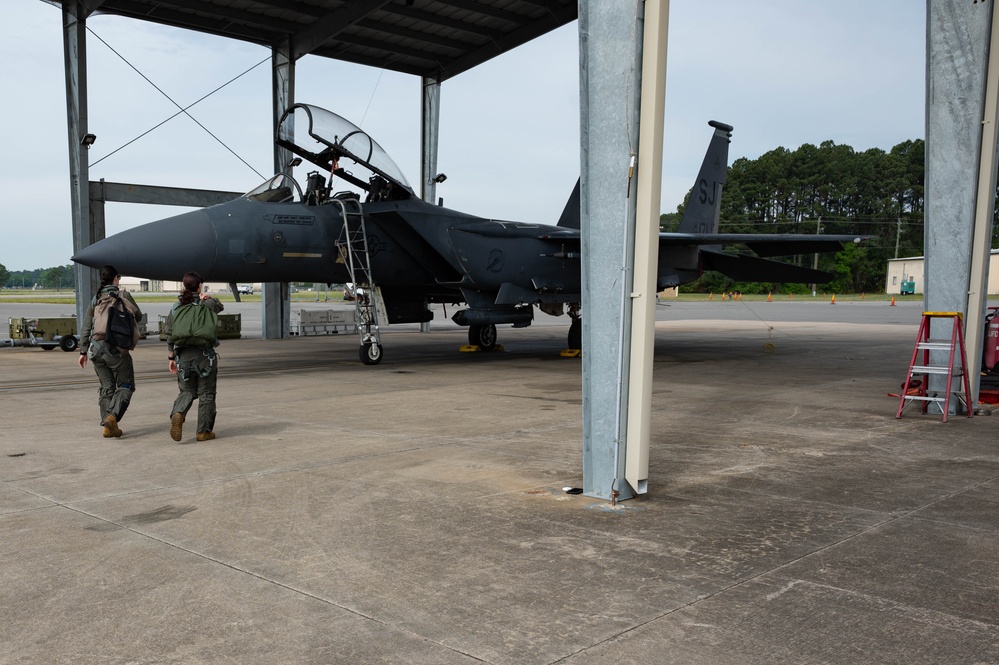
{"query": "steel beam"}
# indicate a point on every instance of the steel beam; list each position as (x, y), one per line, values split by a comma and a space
(981, 245)
(609, 50)
(74, 42)
(119, 192)
(643, 294)
(957, 56)
(430, 126)
(276, 297)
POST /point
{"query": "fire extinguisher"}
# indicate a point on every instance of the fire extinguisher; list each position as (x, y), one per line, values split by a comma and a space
(990, 348)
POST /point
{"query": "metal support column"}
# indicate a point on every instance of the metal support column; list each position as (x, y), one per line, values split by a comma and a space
(643, 295)
(74, 41)
(957, 51)
(609, 53)
(430, 121)
(276, 297)
(981, 246)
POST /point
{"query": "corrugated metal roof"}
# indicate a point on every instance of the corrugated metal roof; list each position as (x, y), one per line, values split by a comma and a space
(433, 38)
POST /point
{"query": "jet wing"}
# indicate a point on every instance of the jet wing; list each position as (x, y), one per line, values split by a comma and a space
(739, 266)
(764, 244)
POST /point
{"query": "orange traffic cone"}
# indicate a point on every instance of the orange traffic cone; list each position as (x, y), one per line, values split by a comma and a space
(833, 301)
(711, 296)
(893, 302)
(770, 297)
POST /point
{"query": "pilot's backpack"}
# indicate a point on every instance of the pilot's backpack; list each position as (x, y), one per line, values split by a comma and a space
(194, 324)
(114, 321)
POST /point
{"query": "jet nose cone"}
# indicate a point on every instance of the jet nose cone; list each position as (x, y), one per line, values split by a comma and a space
(160, 250)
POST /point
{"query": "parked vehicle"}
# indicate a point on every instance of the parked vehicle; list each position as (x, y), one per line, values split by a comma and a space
(245, 289)
(46, 333)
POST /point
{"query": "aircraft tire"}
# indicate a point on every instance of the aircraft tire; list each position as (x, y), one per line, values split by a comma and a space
(483, 337)
(68, 343)
(575, 339)
(370, 354)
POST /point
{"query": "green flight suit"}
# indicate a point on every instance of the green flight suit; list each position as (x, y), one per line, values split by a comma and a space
(113, 366)
(197, 373)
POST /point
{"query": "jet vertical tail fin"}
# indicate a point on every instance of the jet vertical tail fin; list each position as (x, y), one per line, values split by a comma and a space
(701, 213)
(570, 214)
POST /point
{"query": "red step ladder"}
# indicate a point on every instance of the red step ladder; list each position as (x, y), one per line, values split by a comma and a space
(914, 389)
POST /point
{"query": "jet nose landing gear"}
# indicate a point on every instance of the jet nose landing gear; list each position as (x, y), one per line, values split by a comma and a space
(370, 353)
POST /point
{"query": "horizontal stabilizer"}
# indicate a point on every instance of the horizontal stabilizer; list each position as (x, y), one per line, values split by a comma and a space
(754, 269)
(764, 244)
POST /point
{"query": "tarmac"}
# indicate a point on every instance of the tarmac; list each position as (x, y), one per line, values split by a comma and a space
(414, 511)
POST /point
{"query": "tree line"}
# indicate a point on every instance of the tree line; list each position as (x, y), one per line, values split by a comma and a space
(58, 278)
(827, 188)
(831, 189)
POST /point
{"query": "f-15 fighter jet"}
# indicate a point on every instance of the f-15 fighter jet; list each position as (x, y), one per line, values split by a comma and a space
(403, 253)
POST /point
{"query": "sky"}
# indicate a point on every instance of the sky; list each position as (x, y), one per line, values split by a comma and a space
(782, 72)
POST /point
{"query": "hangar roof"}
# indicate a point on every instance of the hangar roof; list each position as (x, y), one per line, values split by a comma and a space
(437, 39)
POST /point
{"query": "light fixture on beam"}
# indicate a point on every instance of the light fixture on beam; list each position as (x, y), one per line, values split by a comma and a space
(88, 140)
(439, 178)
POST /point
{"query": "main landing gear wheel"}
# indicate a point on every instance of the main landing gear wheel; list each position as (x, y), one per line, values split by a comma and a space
(483, 337)
(68, 343)
(371, 354)
(575, 340)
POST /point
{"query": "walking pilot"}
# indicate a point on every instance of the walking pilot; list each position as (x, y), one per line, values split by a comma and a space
(113, 364)
(191, 329)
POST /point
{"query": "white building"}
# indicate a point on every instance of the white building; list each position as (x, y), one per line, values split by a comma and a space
(912, 269)
(159, 286)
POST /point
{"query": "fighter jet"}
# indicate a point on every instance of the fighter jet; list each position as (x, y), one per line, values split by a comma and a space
(403, 253)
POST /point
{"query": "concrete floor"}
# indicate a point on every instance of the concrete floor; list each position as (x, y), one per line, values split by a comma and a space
(413, 512)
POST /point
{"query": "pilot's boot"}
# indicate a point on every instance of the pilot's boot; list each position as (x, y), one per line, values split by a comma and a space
(205, 436)
(177, 426)
(111, 428)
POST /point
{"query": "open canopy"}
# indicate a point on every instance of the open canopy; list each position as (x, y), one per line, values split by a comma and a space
(324, 138)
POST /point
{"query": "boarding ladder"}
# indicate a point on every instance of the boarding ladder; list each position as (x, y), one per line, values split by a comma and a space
(920, 369)
(352, 245)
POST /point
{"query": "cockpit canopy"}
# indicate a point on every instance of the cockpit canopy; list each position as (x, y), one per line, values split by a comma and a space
(282, 188)
(324, 139)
